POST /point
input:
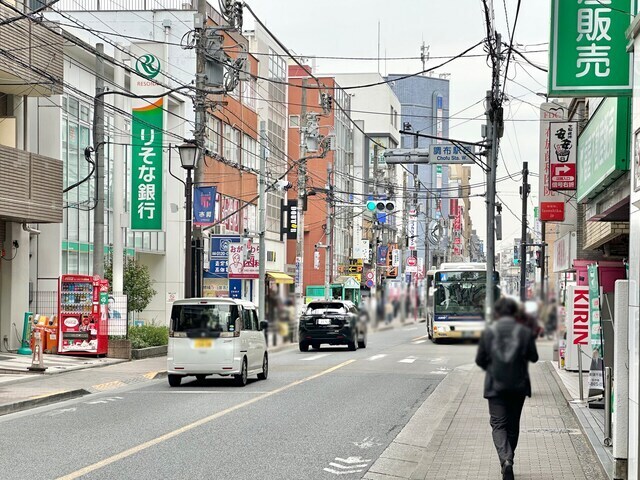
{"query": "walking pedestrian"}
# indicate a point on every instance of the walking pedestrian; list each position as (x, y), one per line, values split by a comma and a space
(504, 352)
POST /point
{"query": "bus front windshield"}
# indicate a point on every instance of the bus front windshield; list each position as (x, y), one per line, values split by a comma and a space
(459, 292)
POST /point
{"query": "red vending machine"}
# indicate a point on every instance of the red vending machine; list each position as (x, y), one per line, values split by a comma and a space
(82, 315)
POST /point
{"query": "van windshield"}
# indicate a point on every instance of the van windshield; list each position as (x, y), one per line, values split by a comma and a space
(205, 319)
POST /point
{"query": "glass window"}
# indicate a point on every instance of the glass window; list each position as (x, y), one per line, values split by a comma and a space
(228, 142)
(323, 308)
(84, 264)
(74, 108)
(247, 320)
(73, 263)
(254, 319)
(72, 219)
(203, 320)
(237, 134)
(65, 256)
(294, 121)
(84, 113)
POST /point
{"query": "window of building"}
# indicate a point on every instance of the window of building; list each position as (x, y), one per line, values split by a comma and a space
(250, 157)
(228, 142)
(294, 121)
(249, 93)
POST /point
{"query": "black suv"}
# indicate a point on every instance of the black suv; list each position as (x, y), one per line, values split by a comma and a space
(336, 322)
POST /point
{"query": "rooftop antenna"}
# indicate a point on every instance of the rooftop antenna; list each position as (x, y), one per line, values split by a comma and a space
(378, 46)
(424, 55)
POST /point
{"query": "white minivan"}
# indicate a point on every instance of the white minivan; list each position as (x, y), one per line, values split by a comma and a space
(216, 336)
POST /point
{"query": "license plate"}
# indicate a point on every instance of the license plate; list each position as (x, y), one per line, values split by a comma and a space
(324, 321)
(202, 343)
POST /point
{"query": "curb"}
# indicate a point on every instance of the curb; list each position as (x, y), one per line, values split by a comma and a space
(569, 399)
(41, 401)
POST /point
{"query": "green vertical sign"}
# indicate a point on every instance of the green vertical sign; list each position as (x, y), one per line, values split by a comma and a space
(588, 48)
(146, 167)
(594, 308)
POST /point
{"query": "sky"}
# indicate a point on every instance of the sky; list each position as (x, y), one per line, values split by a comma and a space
(349, 28)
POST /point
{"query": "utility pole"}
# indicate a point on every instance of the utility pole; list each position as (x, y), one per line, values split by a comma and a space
(118, 179)
(403, 239)
(98, 142)
(524, 192)
(328, 235)
(375, 224)
(199, 133)
(302, 185)
(543, 262)
(262, 218)
(494, 125)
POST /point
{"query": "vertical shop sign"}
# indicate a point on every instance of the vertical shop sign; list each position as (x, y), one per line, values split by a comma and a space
(563, 155)
(204, 206)
(580, 314)
(594, 308)
(146, 167)
(588, 48)
(551, 203)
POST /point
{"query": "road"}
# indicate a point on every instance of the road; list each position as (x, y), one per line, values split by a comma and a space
(319, 415)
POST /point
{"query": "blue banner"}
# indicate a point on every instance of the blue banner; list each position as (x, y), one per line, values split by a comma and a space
(219, 257)
(235, 288)
(204, 206)
(383, 251)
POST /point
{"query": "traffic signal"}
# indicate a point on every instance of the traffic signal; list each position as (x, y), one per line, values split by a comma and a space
(538, 258)
(381, 206)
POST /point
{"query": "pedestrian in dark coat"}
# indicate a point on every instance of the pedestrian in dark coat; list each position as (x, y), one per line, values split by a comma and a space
(505, 350)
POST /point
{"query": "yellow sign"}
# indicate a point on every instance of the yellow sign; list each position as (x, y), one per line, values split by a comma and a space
(357, 276)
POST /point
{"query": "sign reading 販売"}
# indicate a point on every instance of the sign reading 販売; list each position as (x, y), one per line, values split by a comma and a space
(588, 54)
(563, 154)
(603, 147)
(146, 167)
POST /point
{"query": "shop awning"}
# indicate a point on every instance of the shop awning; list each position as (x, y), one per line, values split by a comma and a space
(280, 277)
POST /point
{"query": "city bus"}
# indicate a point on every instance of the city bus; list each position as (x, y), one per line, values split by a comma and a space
(455, 300)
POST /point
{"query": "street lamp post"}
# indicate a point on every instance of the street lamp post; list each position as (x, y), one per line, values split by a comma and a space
(188, 158)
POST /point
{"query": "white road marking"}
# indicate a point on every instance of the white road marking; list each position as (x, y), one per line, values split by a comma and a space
(438, 372)
(347, 465)
(104, 400)
(377, 357)
(418, 338)
(419, 342)
(345, 472)
(368, 442)
(408, 360)
(411, 329)
(315, 357)
(437, 360)
(55, 413)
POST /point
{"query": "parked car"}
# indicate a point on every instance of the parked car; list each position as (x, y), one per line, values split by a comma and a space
(333, 322)
(216, 336)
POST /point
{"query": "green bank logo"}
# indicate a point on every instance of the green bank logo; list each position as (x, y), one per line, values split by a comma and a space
(148, 65)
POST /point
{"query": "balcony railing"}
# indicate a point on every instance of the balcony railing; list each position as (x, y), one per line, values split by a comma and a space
(30, 187)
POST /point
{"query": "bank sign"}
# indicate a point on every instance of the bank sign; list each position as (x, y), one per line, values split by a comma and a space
(588, 48)
(603, 147)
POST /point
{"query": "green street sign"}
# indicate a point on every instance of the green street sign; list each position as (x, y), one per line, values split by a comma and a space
(588, 48)
(146, 167)
(536, 213)
(603, 147)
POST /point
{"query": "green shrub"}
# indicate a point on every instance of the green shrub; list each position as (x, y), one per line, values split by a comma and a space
(148, 336)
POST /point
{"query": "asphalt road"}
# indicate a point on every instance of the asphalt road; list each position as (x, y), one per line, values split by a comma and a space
(318, 413)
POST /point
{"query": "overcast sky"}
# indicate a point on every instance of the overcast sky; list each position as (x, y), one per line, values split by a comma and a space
(350, 28)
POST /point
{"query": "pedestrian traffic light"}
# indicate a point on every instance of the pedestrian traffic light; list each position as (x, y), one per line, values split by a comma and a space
(538, 258)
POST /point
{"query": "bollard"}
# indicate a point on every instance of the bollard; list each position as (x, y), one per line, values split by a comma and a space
(580, 386)
(37, 361)
(607, 406)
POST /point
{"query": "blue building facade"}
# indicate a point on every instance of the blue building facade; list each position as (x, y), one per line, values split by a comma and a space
(425, 106)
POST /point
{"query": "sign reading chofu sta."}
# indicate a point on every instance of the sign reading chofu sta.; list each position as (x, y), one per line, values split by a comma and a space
(588, 54)
(146, 167)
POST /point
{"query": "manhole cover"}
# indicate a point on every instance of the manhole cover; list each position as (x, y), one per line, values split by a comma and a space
(561, 431)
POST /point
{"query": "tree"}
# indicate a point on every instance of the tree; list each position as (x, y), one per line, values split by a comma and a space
(136, 283)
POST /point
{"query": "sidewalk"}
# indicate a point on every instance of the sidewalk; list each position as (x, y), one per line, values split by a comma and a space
(450, 437)
(591, 420)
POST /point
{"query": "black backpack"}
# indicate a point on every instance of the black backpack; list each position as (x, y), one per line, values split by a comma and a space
(506, 368)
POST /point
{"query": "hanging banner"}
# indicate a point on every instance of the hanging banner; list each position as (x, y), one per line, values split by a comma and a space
(146, 167)
(204, 206)
(291, 227)
(241, 265)
(588, 48)
(594, 309)
(383, 251)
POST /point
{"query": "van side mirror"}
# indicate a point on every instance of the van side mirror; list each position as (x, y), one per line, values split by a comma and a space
(264, 325)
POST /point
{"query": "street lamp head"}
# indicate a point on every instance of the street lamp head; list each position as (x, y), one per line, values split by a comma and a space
(188, 154)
